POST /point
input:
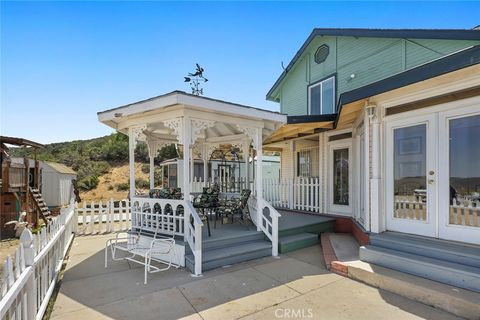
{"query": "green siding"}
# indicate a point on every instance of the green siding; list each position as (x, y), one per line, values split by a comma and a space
(370, 59)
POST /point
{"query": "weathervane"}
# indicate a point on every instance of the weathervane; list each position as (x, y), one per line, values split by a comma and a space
(195, 79)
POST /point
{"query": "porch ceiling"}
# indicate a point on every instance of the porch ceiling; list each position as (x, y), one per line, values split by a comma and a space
(227, 121)
(298, 130)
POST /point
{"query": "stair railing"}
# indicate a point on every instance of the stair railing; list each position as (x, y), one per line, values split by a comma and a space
(193, 234)
(268, 220)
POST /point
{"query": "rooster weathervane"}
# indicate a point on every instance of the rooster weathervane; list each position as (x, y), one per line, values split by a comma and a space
(195, 79)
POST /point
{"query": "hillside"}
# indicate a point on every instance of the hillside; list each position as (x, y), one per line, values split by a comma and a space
(101, 163)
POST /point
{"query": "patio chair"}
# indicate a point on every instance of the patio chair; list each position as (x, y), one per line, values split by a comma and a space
(236, 206)
(148, 248)
(208, 200)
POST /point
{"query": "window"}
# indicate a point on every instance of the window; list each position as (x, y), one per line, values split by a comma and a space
(321, 54)
(304, 163)
(321, 97)
(340, 177)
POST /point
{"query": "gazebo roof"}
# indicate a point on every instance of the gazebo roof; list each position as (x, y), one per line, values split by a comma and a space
(229, 119)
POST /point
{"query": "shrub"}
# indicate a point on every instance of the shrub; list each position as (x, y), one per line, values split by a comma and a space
(145, 168)
(88, 183)
(123, 186)
(142, 184)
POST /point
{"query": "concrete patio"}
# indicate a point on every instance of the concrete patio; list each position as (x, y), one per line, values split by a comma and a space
(297, 285)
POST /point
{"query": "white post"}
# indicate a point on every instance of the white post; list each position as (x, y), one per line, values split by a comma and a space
(291, 196)
(187, 137)
(205, 164)
(152, 172)
(192, 166)
(131, 159)
(375, 178)
(259, 177)
(246, 156)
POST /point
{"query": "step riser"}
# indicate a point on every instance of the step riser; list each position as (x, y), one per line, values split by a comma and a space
(222, 243)
(316, 228)
(426, 251)
(229, 260)
(429, 271)
(208, 249)
(297, 245)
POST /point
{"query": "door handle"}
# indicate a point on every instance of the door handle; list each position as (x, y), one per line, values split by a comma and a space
(431, 181)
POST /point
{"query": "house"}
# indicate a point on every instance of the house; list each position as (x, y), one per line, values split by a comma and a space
(386, 122)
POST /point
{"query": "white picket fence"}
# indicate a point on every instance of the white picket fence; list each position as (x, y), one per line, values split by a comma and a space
(300, 193)
(29, 279)
(103, 217)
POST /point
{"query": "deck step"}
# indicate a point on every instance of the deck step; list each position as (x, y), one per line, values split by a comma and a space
(220, 257)
(434, 248)
(448, 272)
(297, 241)
(317, 228)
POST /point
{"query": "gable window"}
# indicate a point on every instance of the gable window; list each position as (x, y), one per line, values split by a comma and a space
(321, 97)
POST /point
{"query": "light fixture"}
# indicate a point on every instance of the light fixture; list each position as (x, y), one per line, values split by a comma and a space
(371, 110)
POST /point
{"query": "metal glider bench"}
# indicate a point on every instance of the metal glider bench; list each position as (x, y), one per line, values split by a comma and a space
(140, 243)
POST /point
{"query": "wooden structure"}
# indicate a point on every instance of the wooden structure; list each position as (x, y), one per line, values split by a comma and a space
(19, 185)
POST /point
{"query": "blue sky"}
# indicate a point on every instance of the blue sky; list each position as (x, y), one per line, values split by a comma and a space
(62, 62)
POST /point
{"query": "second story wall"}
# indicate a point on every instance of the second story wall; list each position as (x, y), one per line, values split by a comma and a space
(367, 59)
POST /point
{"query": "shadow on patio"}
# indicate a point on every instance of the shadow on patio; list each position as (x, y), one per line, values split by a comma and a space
(253, 289)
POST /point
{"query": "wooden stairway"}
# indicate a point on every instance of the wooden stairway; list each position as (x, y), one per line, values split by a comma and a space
(39, 204)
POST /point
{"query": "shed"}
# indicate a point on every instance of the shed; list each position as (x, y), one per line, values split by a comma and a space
(57, 188)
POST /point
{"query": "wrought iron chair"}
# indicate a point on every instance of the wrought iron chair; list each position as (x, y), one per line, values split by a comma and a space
(208, 200)
(140, 242)
(236, 207)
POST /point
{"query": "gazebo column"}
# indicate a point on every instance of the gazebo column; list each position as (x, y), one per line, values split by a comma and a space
(246, 155)
(259, 178)
(131, 160)
(186, 141)
(205, 163)
(152, 172)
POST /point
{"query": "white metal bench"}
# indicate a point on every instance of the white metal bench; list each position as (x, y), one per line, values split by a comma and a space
(141, 244)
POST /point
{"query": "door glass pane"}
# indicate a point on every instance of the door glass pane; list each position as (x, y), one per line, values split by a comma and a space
(464, 171)
(315, 99)
(328, 94)
(172, 176)
(340, 176)
(410, 181)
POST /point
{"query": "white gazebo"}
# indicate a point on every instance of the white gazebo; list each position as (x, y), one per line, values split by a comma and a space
(198, 124)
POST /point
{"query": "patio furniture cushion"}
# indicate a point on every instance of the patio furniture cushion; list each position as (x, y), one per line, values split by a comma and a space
(208, 198)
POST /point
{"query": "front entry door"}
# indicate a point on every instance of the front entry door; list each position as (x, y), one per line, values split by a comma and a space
(411, 175)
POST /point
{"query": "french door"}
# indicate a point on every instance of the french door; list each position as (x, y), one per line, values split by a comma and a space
(433, 174)
(411, 173)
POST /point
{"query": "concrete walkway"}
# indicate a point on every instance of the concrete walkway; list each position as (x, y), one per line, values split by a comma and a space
(294, 286)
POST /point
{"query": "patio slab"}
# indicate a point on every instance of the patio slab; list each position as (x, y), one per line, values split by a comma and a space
(254, 289)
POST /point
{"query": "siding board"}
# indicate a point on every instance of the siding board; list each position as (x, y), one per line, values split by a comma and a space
(370, 59)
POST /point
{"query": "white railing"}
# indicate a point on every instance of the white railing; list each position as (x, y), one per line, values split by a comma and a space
(268, 220)
(465, 212)
(299, 194)
(168, 216)
(193, 235)
(28, 281)
(167, 213)
(103, 217)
